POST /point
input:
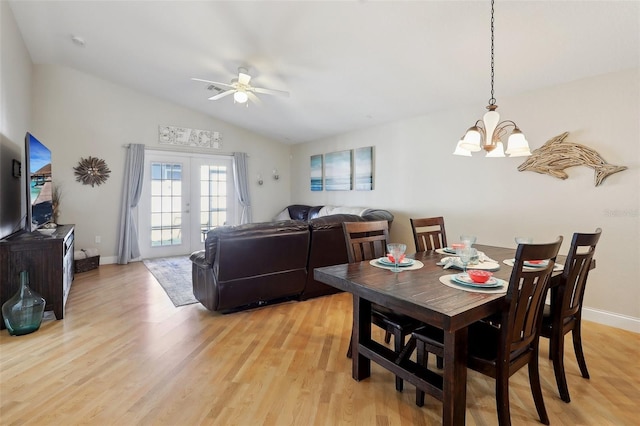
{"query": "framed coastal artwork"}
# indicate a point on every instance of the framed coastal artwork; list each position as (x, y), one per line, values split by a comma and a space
(363, 168)
(316, 173)
(337, 171)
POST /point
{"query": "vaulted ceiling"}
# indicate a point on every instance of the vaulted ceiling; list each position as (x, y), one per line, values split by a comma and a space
(347, 64)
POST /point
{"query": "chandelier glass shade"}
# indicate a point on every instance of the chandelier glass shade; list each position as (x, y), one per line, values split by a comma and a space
(489, 132)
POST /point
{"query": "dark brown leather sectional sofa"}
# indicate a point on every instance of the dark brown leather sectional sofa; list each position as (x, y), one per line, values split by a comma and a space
(253, 264)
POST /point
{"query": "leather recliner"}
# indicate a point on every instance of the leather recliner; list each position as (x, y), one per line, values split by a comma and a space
(250, 265)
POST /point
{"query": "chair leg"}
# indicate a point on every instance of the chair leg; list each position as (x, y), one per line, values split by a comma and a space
(421, 359)
(577, 347)
(439, 362)
(387, 336)
(558, 365)
(502, 397)
(350, 349)
(536, 389)
(398, 344)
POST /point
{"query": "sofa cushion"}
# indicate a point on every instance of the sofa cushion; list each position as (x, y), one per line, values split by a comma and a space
(299, 212)
(330, 210)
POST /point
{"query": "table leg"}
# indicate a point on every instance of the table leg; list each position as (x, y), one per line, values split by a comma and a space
(455, 377)
(361, 366)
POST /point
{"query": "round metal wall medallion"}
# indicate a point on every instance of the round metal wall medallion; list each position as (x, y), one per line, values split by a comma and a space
(91, 171)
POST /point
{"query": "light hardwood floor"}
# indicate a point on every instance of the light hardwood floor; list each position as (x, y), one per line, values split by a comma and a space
(124, 355)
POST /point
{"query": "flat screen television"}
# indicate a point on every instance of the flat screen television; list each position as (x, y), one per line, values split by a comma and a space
(39, 184)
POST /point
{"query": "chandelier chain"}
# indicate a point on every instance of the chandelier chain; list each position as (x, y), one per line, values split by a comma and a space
(492, 101)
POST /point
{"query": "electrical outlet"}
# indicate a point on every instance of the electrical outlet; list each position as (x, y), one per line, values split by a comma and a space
(98, 239)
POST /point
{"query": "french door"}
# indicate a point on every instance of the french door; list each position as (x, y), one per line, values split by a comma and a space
(184, 195)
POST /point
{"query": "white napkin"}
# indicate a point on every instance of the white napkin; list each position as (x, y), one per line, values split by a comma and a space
(449, 262)
(484, 258)
(484, 262)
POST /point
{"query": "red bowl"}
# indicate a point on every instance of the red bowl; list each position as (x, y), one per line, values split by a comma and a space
(479, 276)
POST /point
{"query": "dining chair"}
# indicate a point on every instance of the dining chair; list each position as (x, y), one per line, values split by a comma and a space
(429, 233)
(564, 314)
(500, 349)
(367, 241)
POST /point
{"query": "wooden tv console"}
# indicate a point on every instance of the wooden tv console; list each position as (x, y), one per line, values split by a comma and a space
(49, 261)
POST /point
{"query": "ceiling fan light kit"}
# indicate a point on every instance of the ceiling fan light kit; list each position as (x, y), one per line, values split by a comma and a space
(241, 89)
(487, 133)
(240, 96)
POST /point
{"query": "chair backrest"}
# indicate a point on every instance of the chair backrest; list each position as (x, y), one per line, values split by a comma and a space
(576, 271)
(428, 233)
(522, 318)
(366, 240)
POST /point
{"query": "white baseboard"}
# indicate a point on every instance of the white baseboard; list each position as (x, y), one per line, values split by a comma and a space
(108, 260)
(589, 314)
(612, 319)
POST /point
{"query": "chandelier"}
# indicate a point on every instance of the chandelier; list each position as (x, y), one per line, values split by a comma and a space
(487, 133)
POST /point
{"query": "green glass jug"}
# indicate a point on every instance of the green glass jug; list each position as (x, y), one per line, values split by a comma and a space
(23, 312)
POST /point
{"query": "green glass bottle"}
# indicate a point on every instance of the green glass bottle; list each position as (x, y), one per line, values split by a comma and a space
(23, 312)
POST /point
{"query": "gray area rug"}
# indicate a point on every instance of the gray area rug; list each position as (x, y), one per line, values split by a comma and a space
(174, 275)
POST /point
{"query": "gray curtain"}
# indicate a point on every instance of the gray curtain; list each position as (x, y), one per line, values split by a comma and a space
(240, 176)
(128, 248)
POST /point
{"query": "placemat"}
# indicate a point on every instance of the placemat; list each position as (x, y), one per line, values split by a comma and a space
(556, 267)
(447, 280)
(416, 265)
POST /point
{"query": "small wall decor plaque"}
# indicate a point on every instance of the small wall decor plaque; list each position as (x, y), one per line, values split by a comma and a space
(16, 168)
(91, 171)
(182, 136)
(556, 155)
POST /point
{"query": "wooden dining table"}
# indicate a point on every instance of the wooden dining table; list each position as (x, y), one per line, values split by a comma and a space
(419, 294)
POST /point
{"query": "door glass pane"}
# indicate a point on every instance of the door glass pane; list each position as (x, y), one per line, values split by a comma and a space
(166, 204)
(213, 190)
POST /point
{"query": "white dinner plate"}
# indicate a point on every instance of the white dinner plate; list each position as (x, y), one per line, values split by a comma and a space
(464, 279)
(386, 262)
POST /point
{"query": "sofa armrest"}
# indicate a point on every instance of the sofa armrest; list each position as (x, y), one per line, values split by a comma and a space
(377, 214)
(199, 259)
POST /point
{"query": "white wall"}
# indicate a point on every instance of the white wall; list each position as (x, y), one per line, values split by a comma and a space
(77, 115)
(416, 176)
(15, 106)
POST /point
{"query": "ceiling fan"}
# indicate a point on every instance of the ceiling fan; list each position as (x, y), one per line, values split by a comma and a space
(241, 88)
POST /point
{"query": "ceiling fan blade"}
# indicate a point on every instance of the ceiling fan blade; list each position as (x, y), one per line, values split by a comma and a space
(217, 83)
(270, 91)
(222, 95)
(253, 98)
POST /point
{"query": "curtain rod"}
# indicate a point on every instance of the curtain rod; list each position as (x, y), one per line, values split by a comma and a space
(182, 149)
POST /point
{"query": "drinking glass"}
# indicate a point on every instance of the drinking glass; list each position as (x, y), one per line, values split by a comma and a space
(465, 254)
(396, 250)
(468, 240)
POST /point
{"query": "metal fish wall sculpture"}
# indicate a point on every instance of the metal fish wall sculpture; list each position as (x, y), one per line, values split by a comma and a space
(556, 155)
